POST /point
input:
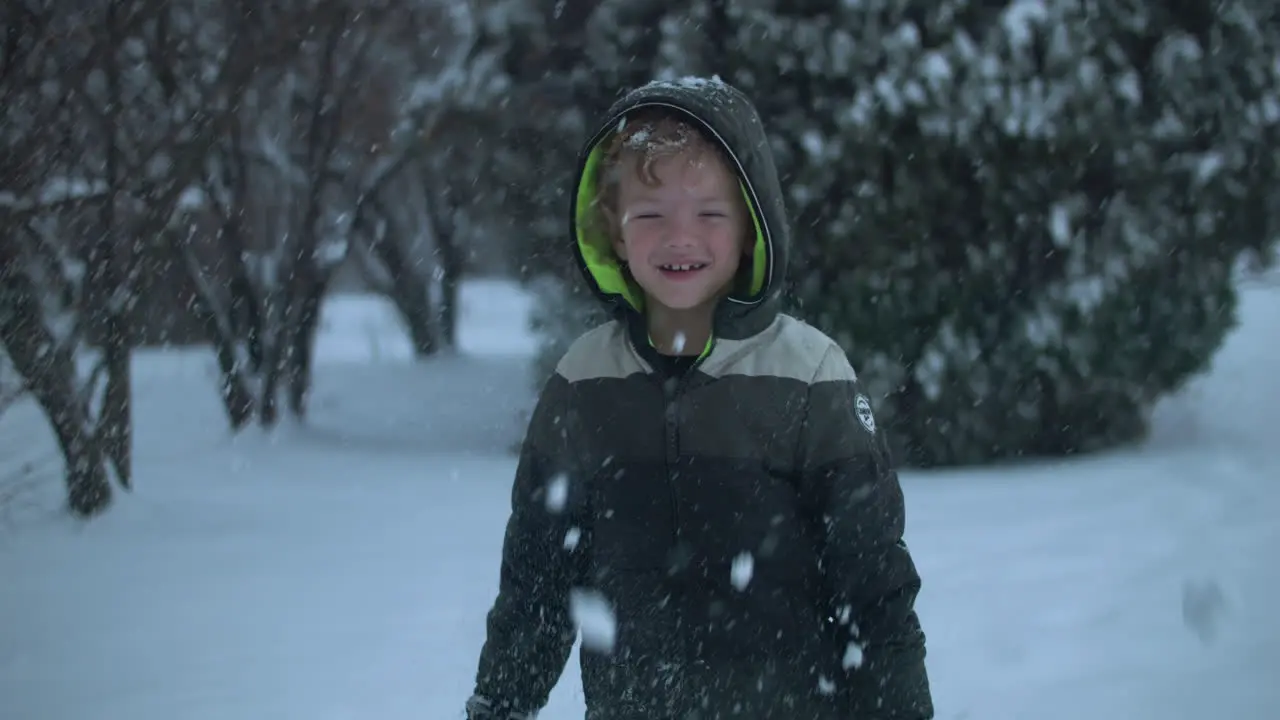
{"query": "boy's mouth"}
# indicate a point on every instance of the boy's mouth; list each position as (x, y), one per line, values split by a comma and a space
(677, 269)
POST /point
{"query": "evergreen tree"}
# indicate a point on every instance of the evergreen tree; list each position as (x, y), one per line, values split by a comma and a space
(1020, 223)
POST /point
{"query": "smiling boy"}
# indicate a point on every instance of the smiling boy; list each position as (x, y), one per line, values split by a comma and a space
(677, 220)
(728, 495)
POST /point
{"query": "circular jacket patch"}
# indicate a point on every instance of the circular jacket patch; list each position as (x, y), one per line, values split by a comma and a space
(862, 406)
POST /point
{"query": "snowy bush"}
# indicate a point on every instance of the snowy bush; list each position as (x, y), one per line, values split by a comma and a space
(1021, 224)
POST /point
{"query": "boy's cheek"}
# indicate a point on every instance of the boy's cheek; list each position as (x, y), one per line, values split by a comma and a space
(633, 238)
(628, 239)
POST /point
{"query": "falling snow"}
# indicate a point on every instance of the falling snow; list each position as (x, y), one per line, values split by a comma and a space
(571, 538)
(852, 656)
(741, 570)
(593, 614)
(557, 493)
(343, 566)
(1060, 225)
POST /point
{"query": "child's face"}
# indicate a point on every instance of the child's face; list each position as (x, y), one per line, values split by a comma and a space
(683, 239)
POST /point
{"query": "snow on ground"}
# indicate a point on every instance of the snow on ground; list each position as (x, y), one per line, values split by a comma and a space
(342, 569)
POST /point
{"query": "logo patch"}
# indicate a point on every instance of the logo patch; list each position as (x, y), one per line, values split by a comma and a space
(862, 406)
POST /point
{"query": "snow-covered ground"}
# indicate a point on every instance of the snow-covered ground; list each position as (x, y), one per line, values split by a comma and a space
(343, 569)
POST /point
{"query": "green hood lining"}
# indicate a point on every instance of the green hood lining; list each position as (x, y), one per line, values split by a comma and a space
(603, 264)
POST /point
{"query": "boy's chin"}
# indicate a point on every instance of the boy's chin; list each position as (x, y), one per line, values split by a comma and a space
(684, 296)
(682, 303)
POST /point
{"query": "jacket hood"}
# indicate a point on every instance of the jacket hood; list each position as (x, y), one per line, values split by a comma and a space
(730, 119)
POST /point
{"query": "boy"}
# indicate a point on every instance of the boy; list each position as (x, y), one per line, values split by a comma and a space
(703, 464)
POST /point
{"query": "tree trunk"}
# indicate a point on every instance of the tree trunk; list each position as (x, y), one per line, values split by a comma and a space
(49, 369)
(451, 277)
(272, 366)
(115, 424)
(244, 312)
(302, 338)
(114, 428)
(410, 293)
(449, 257)
(237, 400)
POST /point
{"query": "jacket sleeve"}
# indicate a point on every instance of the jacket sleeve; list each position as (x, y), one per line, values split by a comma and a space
(872, 581)
(529, 631)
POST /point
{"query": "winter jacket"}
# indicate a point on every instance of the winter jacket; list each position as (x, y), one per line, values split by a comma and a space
(740, 519)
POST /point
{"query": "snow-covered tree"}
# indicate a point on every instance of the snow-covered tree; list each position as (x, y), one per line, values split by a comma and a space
(332, 156)
(278, 191)
(216, 160)
(62, 174)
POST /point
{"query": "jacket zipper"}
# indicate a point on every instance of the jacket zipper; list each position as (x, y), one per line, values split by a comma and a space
(671, 390)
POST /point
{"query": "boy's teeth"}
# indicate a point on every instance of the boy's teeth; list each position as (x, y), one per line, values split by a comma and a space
(694, 266)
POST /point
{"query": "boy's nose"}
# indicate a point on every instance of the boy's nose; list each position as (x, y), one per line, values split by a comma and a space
(680, 233)
(679, 239)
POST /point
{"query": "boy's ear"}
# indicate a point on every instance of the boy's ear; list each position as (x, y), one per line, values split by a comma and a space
(619, 245)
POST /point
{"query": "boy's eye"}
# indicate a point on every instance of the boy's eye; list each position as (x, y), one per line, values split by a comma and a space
(713, 213)
(646, 216)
